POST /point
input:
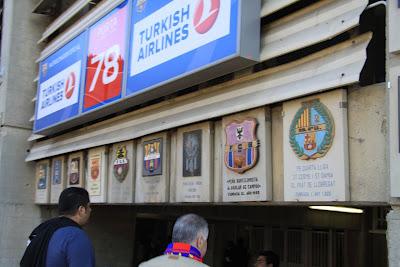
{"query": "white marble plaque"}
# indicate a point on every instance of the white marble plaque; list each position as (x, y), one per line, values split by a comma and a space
(42, 182)
(76, 168)
(121, 172)
(194, 162)
(315, 148)
(152, 169)
(96, 182)
(246, 156)
(58, 178)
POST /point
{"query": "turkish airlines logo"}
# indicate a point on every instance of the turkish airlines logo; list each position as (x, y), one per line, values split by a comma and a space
(70, 85)
(203, 25)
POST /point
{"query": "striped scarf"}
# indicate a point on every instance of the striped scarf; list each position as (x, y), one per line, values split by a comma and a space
(184, 250)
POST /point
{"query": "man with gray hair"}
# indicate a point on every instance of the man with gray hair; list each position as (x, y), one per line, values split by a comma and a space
(189, 244)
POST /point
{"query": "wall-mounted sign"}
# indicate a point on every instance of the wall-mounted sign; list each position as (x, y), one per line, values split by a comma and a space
(315, 148)
(59, 84)
(173, 39)
(58, 174)
(121, 172)
(152, 173)
(42, 182)
(171, 45)
(194, 168)
(106, 58)
(96, 182)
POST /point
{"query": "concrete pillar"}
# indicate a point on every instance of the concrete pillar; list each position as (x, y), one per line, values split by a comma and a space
(393, 236)
(19, 50)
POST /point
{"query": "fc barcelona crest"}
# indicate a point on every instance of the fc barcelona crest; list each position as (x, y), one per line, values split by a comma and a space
(152, 157)
(241, 148)
(121, 164)
(312, 130)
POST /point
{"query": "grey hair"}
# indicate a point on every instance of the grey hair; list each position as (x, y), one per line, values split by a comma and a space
(187, 228)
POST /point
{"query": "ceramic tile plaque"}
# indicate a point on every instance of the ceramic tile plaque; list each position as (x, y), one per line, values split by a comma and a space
(247, 156)
(96, 182)
(194, 163)
(42, 184)
(315, 148)
(58, 178)
(121, 170)
(152, 172)
(75, 175)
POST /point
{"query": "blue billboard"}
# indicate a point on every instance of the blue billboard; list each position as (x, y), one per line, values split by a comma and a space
(171, 39)
(60, 83)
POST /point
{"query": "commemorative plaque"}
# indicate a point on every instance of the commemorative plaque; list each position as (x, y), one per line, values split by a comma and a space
(58, 178)
(120, 172)
(42, 184)
(194, 163)
(75, 170)
(315, 148)
(246, 156)
(152, 172)
(96, 182)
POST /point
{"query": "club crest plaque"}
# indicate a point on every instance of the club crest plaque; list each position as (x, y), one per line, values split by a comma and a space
(152, 161)
(241, 148)
(312, 130)
(121, 163)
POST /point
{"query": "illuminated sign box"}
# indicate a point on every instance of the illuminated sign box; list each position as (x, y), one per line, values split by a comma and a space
(60, 83)
(143, 50)
(177, 44)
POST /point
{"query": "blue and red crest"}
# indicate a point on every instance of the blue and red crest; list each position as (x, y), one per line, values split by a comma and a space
(312, 130)
(152, 157)
(241, 148)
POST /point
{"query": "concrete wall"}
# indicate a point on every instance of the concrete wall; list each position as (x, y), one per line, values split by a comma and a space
(18, 214)
(367, 115)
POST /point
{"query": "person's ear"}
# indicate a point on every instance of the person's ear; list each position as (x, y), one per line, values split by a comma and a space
(200, 241)
(81, 210)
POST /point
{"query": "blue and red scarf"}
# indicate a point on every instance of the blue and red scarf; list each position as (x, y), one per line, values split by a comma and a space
(184, 250)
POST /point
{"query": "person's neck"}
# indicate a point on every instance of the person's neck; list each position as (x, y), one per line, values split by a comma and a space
(74, 218)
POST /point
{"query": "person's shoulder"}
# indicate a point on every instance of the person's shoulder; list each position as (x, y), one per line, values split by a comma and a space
(173, 261)
(70, 233)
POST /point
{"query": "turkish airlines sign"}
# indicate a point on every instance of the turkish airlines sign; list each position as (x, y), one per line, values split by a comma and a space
(150, 48)
(177, 28)
(60, 91)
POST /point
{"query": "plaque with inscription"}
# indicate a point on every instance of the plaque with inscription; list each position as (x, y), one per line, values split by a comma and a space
(193, 166)
(42, 182)
(96, 182)
(152, 173)
(121, 172)
(246, 153)
(315, 152)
